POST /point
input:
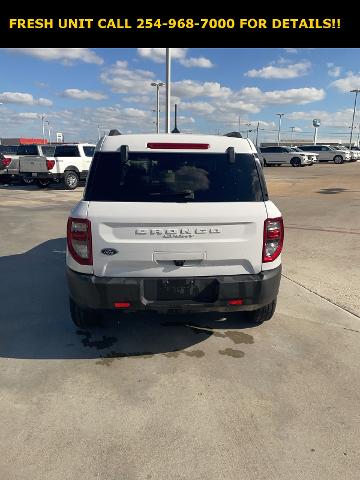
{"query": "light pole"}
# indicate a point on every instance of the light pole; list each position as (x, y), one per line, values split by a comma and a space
(43, 116)
(358, 137)
(157, 85)
(292, 134)
(49, 130)
(168, 90)
(279, 129)
(356, 91)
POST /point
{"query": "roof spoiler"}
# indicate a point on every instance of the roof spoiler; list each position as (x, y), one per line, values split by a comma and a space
(233, 134)
(114, 132)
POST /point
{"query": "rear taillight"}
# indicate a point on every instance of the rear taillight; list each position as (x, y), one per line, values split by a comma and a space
(273, 238)
(79, 240)
(6, 161)
(50, 164)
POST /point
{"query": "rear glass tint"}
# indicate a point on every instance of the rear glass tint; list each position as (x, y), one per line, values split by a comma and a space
(173, 177)
(27, 150)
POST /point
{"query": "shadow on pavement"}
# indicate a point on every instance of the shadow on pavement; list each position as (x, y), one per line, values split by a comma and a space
(35, 321)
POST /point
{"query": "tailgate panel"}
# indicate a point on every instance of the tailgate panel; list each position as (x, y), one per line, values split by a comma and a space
(32, 163)
(207, 239)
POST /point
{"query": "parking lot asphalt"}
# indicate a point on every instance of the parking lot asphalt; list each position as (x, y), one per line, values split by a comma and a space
(185, 397)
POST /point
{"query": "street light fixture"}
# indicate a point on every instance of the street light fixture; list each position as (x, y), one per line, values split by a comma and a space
(157, 85)
(356, 91)
(279, 129)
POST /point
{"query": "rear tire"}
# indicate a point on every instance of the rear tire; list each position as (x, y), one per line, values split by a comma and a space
(338, 159)
(295, 162)
(263, 314)
(71, 180)
(83, 317)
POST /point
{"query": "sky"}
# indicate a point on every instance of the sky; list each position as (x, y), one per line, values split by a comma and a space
(86, 90)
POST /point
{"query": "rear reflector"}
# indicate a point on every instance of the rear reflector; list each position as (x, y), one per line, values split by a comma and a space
(121, 304)
(179, 146)
(79, 240)
(273, 238)
(236, 301)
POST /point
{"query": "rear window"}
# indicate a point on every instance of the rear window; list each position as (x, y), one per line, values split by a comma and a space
(67, 151)
(8, 149)
(89, 151)
(173, 177)
(27, 150)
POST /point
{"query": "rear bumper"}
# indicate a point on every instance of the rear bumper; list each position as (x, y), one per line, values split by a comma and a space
(102, 293)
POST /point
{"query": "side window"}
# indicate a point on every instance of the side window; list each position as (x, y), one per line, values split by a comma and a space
(48, 151)
(325, 149)
(27, 150)
(67, 151)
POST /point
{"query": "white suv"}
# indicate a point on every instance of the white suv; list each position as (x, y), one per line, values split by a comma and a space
(174, 223)
(328, 153)
(284, 156)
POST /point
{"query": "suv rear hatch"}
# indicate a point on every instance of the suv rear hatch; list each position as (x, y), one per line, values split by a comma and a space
(175, 214)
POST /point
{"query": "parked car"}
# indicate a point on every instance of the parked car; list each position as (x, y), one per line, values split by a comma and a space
(284, 156)
(25, 153)
(354, 154)
(173, 222)
(69, 165)
(313, 157)
(327, 153)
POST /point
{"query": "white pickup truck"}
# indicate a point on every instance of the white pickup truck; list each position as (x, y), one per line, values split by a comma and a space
(70, 164)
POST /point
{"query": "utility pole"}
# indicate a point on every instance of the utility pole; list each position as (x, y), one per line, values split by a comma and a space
(168, 90)
(239, 123)
(356, 91)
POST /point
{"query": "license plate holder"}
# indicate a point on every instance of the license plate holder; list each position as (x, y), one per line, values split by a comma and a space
(181, 289)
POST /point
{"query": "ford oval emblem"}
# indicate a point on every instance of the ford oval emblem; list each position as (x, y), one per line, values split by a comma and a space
(109, 251)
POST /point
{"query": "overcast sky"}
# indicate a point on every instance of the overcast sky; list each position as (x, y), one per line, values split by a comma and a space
(81, 88)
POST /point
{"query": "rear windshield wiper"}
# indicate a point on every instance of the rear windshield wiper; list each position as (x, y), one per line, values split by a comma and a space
(185, 194)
